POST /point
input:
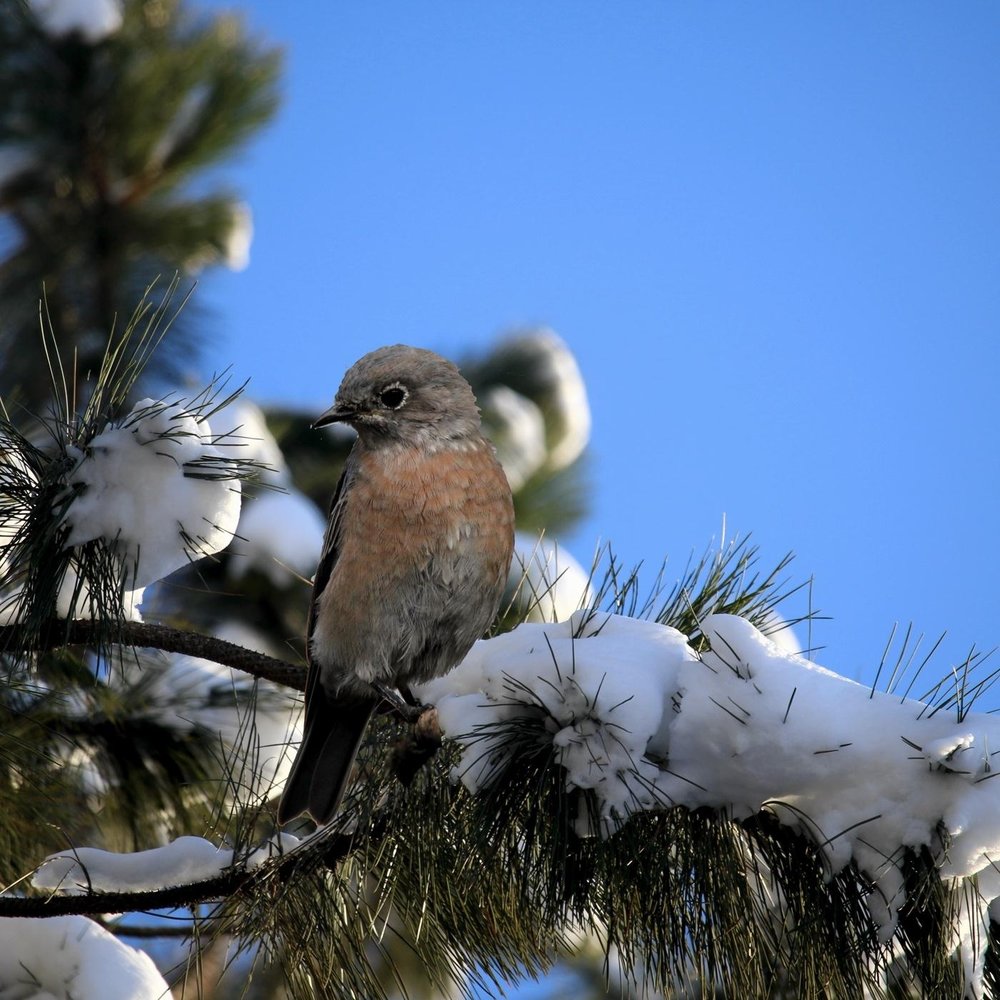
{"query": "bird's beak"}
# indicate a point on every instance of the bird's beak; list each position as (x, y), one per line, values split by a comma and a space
(336, 414)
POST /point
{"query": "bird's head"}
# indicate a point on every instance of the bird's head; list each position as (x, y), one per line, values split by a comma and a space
(404, 395)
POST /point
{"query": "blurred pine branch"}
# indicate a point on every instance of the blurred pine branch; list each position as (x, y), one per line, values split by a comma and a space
(103, 152)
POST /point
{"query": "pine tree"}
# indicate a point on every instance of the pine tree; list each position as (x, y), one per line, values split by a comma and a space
(103, 128)
(111, 117)
(123, 734)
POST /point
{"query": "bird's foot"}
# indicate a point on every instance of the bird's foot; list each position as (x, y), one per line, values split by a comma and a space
(405, 706)
(417, 746)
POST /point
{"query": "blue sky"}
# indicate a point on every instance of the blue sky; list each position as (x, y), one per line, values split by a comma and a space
(769, 232)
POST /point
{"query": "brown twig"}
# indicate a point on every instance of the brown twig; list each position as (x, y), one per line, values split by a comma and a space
(84, 632)
(121, 902)
(182, 929)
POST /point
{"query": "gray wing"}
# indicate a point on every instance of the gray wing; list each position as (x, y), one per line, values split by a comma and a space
(328, 557)
(333, 728)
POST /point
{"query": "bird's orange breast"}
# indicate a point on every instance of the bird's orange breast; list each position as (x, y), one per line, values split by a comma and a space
(421, 534)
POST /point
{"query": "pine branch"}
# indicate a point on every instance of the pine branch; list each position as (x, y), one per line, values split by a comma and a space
(57, 633)
(144, 931)
(227, 884)
(114, 139)
(122, 902)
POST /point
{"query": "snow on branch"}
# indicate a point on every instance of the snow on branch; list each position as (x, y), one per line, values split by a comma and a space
(113, 503)
(182, 861)
(184, 872)
(640, 719)
(156, 487)
(92, 20)
(643, 722)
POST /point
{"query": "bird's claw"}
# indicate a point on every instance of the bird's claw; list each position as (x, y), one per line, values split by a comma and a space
(406, 710)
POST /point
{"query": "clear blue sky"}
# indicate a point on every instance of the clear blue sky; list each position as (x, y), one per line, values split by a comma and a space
(770, 232)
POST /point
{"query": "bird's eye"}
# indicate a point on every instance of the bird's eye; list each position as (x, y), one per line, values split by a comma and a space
(393, 396)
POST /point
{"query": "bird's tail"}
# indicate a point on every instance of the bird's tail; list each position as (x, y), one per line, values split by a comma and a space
(333, 732)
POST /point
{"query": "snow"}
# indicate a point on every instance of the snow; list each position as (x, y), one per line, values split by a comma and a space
(281, 535)
(181, 128)
(552, 583)
(157, 489)
(555, 364)
(232, 249)
(602, 721)
(254, 720)
(17, 482)
(281, 843)
(539, 378)
(236, 251)
(184, 860)
(72, 958)
(89, 869)
(281, 530)
(516, 426)
(642, 720)
(18, 489)
(74, 600)
(94, 20)
(247, 436)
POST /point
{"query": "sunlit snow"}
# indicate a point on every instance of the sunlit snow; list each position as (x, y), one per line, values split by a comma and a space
(72, 958)
(280, 532)
(645, 722)
(184, 860)
(156, 488)
(93, 20)
(551, 583)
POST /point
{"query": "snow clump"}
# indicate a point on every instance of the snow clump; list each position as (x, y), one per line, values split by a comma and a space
(93, 20)
(157, 489)
(180, 862)
(72, 958)
(643, 721)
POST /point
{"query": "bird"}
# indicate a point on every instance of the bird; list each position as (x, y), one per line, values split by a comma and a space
(415, 558)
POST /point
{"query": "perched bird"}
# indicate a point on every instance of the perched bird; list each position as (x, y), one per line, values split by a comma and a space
(414, 562)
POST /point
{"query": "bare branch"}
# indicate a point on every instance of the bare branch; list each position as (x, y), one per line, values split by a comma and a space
(18, 639)
(124, 902)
